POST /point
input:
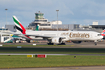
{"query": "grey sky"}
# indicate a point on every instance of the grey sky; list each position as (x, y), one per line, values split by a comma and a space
(70, 11)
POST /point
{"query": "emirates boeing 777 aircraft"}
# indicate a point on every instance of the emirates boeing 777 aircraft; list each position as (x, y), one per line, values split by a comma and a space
(57, 37)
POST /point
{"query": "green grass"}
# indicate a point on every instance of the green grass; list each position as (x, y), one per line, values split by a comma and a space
(54, 52)
(50, 61)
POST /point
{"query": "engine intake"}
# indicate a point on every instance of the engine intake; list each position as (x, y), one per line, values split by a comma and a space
(57, 40)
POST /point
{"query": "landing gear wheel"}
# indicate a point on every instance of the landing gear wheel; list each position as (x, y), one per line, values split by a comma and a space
(50, 43)
(95, 43)
(63, 44)
(28, 41)
(19, 41)
(14, 41)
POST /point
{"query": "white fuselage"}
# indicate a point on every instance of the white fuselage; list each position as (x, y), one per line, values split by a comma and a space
(69, 35)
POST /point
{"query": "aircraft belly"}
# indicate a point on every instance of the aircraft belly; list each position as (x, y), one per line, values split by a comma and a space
(81, 39)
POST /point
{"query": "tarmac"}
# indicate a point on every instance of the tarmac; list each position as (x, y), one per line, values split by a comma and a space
(68, 45)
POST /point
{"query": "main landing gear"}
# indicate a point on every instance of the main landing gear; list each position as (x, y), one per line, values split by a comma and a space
(57, 44)
(95, 43)
(62, 44)
(28, 41)
(50, 43)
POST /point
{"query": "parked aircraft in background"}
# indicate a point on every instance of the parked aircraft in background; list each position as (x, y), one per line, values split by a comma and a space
(57, 37)
(103, 33)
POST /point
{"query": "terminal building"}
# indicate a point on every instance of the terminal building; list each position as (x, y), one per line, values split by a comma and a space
(93, 27)
(66, 26)
(5, 37)
(10, 27)
(42, 22)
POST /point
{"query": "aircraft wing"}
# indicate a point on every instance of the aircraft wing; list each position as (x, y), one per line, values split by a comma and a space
(17, 34)
(27, 36)
(14, 33)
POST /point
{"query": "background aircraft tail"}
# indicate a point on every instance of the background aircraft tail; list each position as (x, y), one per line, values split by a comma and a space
(37, 28)
(103, 33)
(18, 25)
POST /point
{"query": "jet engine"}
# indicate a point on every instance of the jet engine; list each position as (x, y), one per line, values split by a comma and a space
(77, 42)
(56, 40)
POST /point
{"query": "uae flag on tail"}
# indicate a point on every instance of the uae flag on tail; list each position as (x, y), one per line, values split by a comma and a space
(18, 25)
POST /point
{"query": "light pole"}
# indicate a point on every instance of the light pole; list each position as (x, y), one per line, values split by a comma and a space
(57, 19)
(6, 15)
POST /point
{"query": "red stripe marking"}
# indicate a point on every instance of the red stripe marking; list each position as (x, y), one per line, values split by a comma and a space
(103, 34)
(28, 37)
(24, 30)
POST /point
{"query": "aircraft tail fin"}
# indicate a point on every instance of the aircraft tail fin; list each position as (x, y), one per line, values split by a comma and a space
(103, 33)
(37, 28)
(19, 26)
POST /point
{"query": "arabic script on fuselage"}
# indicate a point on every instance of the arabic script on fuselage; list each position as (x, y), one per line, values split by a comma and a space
(76, 35)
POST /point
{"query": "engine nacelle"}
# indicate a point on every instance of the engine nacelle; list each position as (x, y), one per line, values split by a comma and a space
(77, 42)
(56, 40)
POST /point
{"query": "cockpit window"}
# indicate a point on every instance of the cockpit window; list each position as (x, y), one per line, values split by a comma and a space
(98, 34)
